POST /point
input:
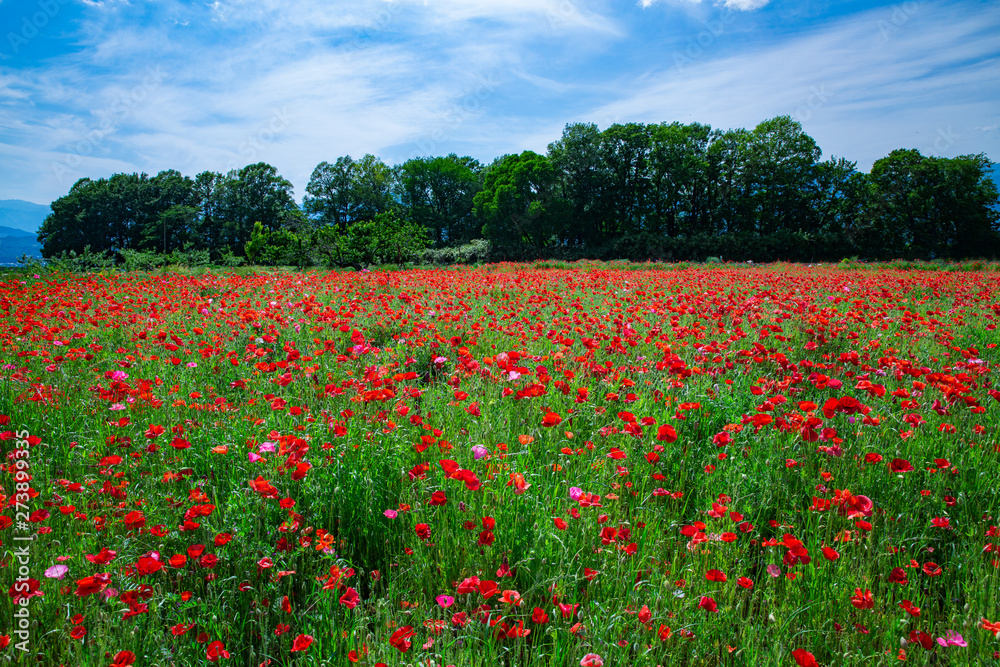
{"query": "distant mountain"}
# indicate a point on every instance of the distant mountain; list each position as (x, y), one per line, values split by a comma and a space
(12, 247)
(23, 215)
(996, 179)
(10, 231)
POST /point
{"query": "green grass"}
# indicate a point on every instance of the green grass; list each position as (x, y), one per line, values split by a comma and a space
(346, 372)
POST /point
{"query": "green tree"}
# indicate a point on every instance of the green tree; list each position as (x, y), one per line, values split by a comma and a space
(374, 185)
(347, 191)
(438, 193)
(624, 199)
(328, 194)
(678, 178)
(933, 206)
(385, 239)
(780, 165)
(168, 223)
(74, 221)
(123, 212)
(836, 199)
(206, 229)
(966, 195)
(519, 205)
(730, 183)
(576, 159)
(255, 193)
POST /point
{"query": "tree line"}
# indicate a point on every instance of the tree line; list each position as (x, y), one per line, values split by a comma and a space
(632, 191)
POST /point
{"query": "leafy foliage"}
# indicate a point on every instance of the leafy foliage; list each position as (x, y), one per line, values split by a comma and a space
(543, 465)
(385, 239)
(631, 191)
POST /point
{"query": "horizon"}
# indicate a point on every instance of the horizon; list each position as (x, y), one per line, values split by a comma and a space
(89, 88)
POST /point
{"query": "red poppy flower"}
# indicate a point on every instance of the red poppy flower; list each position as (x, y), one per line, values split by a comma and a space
(92, 584)
(568, 610)
(301, 643)
(400, 639)
(350, 598)
(487, 589)
(519, 483)
(134, 520)
(468, 585)
(123, 659)
(215, 651)
(804, 658)
(667, 433)
(862, 600)
(900, 465)
(921, 638)
(708, 604)
(147, 565)
(898, 576)
(103, 557)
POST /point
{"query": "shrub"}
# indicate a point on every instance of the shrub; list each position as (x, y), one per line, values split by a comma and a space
(476, 251)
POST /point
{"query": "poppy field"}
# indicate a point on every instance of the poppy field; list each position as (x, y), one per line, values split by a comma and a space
(509, 465)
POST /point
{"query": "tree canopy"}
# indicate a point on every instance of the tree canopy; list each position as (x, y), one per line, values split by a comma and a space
(632, 190)
(169, 211)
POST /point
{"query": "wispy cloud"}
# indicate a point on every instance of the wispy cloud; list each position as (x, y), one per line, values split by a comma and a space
(352, 78)
(742, 5)
(859, 93)
(196, 86)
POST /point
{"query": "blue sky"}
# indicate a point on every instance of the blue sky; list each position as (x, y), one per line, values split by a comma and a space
(95, 87)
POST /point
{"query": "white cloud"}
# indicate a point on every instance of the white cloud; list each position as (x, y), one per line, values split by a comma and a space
(295, 82)
(857, 92)
(745, 5)
(292, 83)
(742, 5)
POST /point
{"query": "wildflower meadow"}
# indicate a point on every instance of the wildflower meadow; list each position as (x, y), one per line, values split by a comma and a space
(517, 465)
